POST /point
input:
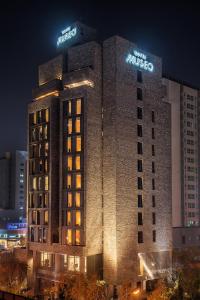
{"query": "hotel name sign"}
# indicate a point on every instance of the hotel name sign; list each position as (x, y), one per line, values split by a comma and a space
(67, 34)
(139, 59)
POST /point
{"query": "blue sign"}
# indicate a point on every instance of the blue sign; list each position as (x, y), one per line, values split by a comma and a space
(67, 34)
(139, 59)
(14, 226)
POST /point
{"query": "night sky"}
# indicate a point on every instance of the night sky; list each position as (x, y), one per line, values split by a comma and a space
(28, 38)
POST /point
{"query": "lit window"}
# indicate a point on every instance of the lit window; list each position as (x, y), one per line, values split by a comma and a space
(46, 259)
(34, 215)
(46, 217)
(78, 181)
(69, 163)
(69, 218)
(46, 149)
(78, 162)
(78, 125)
(78, 218)
(69, 181)
(77, 237)
(78, 143)
(69, 126)
(40, 183)
(45, 233)
(65, 261)
(69, 199)
(34, 118)
(46, 187)
(47, 115)
(34, 183)
(46, 200)
(78, 106)
(69, 107)
(40, 133)
(78, 199)
(69, 144)
(74, 263)
(69, 237)
(33, 135)
(46, 165)
(45, 132)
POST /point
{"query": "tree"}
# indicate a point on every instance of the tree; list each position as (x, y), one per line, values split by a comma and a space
(13, 273)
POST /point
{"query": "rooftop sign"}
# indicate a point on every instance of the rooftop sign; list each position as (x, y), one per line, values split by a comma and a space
(67, 34)
(139, 59)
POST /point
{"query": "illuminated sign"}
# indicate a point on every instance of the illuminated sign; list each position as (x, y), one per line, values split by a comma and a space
(14, 226)
(67, 34)
(139, 59)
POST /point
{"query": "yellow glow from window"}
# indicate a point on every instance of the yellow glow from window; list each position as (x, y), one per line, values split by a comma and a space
(69, 199)
(47, 115)
(78, 106)
(78, 237)
(78, 162)
(69, 181)
(45, 129)
(46, 149)
(34, 183)
(69, 144)
(78, 199)
(54, 93)
(69, 126)
(46, 166)
(69, 237)
(78, 125)
(78, 143)
(69, 219)
(78, 218)
(80, 83)
(69, 162)
(46, 180)
(46, 217)
(78, 181)
(35, 118)
(69, 107)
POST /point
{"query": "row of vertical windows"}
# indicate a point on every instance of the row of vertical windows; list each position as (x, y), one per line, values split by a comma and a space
(74, 109)
(37, 216)
(40, 183)
(74, 180)
(73, 198)
(141, 239)
(40, 116)
(140, 201)
(73, 218)
(73, 237)
(42, 234)
(74, 141)
(73, 162)
(39, 133)
(38, 150)
(140, 149)
(140, 218)
(38, 200)
(74, 125)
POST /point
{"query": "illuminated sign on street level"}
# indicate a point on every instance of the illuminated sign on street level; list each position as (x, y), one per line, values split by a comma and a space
(67, 34)
(138, 59)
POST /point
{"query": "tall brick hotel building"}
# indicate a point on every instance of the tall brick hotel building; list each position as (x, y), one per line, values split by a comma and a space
(99, 178)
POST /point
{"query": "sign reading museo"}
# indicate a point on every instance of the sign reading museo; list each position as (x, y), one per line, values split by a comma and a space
(67, 34)
(139, 59)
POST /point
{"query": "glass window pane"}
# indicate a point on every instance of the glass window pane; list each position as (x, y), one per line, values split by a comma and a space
(78, 218)
(69, 237)
(78, 162)
(78, 125)
(78, 181)
(69, 126)
(78, 199)
(78, 143)
(69, 163)
(78, 106)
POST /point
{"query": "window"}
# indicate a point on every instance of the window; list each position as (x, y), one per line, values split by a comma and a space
(69, 144)
(35, 183)
(183, 239)
(153, 116)
(139, 113)
(69, 107)
(74, 263)
(40, 197)
(78, 181)
(34, 217)
(78, 162)
(46, 259)
(78, 106)
(154, 236)
(139, 165)
(139, 76)
(153, 184)
(77, 237)
(46, 200)
(69, 199)
(69, 218)
(69, 126)
(140, 201)
(33, 135)
(140, 221)
(45, 132)
(46, 149)
(39, 116)
(153, 201)
(65, 261)
(153, 167)
(69, 162)
(139, 130)
(153, 218)
(69, 181)
(78, 143)
(69, 237)
(78, 125)
(153, 133)
(140, 185)
(140, 237)
(139, 148)
(46, 179)
(45, 233)
(47, 115)
(139, 94)
(78, 218)
(46, 166)
(34, 118)
(78, 199)
(32, 237)
(46, 217)
(153, 150)
(40, 133)
(39, 235)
